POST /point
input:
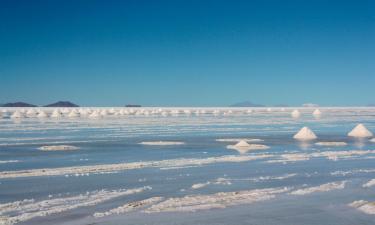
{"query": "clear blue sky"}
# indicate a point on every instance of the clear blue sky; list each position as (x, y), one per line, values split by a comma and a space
(188, 53)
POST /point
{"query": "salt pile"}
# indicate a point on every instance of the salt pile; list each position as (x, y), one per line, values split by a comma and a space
(305, 134)
(56, 114)
(200, 185)
(317, 113)
(95, 115)
(364, 206)
(58, 148)
(369, 183)
(16, 115)
(360, 131)
(243, 147)
(42, 114)
(73, 114)
(31, 113)
(295, 113)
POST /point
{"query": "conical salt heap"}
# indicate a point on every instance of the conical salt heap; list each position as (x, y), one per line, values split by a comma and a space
(317, 112)
(56, 114)
(16, 114)
(295, 113)
(42, 114)
(305, 134)
(360, 131)
(242, 144)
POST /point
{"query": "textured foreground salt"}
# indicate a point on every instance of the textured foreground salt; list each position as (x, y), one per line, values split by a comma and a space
(58, 148)
(364, 206)
(321, 188)
(129, 207)
(27, 209)
(370, 183)
(162, 143)
(192, 203)
(97, 169)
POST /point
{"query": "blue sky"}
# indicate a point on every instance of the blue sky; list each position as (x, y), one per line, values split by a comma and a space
(188, 53)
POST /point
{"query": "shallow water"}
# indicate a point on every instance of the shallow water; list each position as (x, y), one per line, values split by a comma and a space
(115, 139)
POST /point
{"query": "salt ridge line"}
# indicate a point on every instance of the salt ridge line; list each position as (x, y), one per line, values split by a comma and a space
(104, 168)
(192, 203)
(364, 206)
(20, 211)
(321, 188)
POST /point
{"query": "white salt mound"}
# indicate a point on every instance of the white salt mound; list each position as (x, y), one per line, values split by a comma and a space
(295, 114)
(372, 140)
(317, 112)
(243, 147)
(42, 114)
(360, 131)
(364, 206)
(58, 148)
(305, 134)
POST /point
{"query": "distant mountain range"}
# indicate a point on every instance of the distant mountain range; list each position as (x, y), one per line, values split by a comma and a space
(246, 104)
(24, 104)
(62, 104)
(18, 104)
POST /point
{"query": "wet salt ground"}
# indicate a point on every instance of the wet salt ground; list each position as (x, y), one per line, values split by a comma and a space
(317, 208)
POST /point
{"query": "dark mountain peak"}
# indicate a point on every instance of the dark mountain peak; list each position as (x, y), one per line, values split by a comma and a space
(18, 104)
(62, 104)
(246, 104)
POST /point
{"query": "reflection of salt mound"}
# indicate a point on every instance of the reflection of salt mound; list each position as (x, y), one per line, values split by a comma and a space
(243, 147)
(162, 143)
(317, 113)
(239, 139)
(58, 148)
(360, 131)
(331, 143)
(305, 134)
(295, 113)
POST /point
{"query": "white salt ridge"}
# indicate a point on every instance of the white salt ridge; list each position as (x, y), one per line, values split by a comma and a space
(351, 172)
(317, 113)
(285, 158)
(200, 185)
(129, 207)
(370, 183)
(162, 143)
(243, 147)
(58, 148)
(331, 143)
(192, 203)
(360, 131)
(305, 134)
(181, 162)
(21, 211)
(364, 206)
(295, 113)
(8, 161)
(321, 188)
(239, 139)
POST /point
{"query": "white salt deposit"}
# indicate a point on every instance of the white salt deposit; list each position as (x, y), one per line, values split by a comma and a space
(162, 143)
(192, 203)
(295, 113)
(285, 158)
(56, 114)
(360, 131)
(305, 134)
(321, 188)
(105, 168)
(370, 183)
(372, 140)
(364, 206)
(73, 114)
(200, 185)
(42, 114)
(21, 211)
(317, 113)
(8, 161)
(130, 207)
(17, 114)
(243, 147)
(58, 148)
(331, 143)
(239, 139)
